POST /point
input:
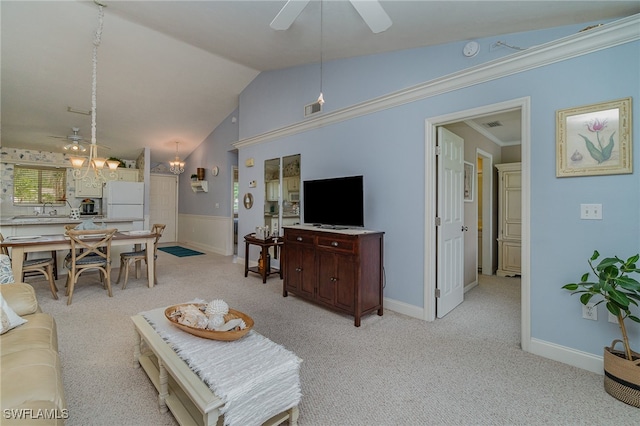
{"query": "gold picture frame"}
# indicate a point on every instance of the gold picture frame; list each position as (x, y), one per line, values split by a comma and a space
(594, 139)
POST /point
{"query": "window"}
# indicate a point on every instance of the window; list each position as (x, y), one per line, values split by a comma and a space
(38, 185)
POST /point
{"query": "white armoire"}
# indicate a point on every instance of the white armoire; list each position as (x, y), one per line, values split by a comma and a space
(509, 219)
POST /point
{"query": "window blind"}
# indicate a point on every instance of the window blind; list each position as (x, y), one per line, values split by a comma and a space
(38, 185)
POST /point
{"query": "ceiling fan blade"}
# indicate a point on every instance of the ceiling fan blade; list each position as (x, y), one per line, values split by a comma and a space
(373, 14)
(288, 14)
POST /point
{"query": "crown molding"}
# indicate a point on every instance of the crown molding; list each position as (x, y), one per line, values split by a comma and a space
(613, 34)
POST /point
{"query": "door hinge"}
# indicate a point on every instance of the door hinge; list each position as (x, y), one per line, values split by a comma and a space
(438, 150)
(438, 221)
(437, 292)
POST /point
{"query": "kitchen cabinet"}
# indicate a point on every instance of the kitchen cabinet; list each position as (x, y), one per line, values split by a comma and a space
(93, 190)
(273, 190)
(122, 174)
(341, 270)
(509, 219)
(127, 175)
(293, 183)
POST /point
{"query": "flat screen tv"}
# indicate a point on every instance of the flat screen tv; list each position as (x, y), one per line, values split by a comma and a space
(335, 202)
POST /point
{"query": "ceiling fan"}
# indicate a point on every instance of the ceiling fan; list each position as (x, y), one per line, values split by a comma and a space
(371, 12)
(75, 138)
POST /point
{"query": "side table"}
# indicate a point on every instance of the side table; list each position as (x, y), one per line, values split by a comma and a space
(275, 242)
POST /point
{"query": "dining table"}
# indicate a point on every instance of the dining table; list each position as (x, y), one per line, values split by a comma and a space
(20, 245)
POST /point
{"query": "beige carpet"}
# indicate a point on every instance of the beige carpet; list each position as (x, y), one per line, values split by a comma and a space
(465, 369)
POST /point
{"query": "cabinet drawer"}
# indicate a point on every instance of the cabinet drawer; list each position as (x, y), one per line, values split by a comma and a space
(336, 244)
(298, 237)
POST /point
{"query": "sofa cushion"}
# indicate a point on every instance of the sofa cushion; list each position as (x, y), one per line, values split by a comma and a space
(21, 297)
(32, 378)
(9, 319)
(39, 332)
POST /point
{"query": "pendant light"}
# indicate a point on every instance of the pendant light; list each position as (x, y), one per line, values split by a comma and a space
(176, 166)
(95, 163)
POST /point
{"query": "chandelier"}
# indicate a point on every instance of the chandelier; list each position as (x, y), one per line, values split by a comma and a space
(176, 166)
(92, 174)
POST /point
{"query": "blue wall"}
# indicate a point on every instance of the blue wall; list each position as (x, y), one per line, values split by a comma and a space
(213, 151)
(387, 147)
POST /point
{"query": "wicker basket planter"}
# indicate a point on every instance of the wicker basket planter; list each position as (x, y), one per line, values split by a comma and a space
(621, 376)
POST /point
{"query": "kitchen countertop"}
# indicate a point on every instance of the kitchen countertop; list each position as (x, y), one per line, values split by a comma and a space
(48, 220)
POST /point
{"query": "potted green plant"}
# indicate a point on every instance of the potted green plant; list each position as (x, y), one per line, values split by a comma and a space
(194, 177)
(118, 160)
(620, 292)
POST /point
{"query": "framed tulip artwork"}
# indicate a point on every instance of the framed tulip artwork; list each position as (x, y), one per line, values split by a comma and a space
(594, 139)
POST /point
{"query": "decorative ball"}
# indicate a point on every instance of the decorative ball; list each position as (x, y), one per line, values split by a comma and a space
(217, 307)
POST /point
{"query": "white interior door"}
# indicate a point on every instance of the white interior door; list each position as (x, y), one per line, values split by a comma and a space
(163, 204)
(450, 231)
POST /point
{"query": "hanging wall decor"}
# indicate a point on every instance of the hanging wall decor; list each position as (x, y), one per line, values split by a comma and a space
(594, 139)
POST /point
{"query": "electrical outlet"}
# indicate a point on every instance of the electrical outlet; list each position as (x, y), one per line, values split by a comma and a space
(612, 318)
(590, 312)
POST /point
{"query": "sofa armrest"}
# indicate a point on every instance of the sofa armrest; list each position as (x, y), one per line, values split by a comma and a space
(21, 297)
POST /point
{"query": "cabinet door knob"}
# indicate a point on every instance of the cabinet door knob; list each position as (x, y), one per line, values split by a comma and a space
(299, 239)
(298, 269)
(333, 279)
(334, 243)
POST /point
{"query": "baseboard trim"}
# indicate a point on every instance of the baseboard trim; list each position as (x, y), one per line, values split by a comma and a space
(404, 308)
(567, 355)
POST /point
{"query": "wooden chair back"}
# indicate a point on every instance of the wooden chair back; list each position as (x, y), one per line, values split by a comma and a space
(157, 229)
(89, 243)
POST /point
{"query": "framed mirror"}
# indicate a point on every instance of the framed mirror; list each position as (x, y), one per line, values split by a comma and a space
(282, 192)
(247, 200)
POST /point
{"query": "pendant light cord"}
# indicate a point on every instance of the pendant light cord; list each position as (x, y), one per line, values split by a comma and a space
(321, 44)
(94, 85)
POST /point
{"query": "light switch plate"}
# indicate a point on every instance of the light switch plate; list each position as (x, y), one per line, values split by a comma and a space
(591, 211)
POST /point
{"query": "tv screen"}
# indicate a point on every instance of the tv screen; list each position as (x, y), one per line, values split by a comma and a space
(336, 202)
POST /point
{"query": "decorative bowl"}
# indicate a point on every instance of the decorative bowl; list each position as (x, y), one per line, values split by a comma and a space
(211, 334)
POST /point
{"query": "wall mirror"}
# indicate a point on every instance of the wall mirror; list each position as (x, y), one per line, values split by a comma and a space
(247, 199)
(282, 192)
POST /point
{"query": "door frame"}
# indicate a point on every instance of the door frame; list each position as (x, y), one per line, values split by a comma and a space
(487, 212)
(430, 261)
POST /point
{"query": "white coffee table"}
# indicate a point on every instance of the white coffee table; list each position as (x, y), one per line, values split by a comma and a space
(179, 389)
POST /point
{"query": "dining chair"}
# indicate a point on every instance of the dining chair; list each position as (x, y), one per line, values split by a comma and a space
(90, 250)
(133, 257)
(43, 266)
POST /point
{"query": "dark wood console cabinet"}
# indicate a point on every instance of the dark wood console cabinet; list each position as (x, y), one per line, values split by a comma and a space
(341, 270)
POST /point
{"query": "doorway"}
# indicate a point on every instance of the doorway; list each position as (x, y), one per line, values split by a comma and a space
(234, 197)
(431, 181)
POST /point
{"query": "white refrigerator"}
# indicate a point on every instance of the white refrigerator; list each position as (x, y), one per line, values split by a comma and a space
(123, 200)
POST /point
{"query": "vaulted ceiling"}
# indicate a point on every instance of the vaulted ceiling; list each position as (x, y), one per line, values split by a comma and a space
(173, 70)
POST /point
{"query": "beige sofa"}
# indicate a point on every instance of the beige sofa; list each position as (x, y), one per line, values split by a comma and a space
(31, 390)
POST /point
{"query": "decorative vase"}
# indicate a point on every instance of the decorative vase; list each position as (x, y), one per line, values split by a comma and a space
(200, 173)
(621, 376)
